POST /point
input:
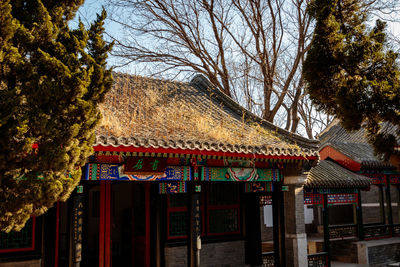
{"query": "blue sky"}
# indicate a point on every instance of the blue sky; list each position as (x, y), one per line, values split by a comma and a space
(87, 13)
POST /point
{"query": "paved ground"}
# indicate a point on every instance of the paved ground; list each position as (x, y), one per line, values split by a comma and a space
(344, 264)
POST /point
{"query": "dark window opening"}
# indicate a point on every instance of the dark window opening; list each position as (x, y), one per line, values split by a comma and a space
(23, 240)
(220, 211)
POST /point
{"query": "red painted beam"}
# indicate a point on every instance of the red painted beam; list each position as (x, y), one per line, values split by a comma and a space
(194, 152)
(340, 158)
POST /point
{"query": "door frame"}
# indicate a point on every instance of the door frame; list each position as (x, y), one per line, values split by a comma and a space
(105, 246)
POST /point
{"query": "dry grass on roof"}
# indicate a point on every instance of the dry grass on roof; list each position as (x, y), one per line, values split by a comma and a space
(143, 107)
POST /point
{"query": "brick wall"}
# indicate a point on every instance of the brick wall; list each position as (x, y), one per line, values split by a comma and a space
(31, 263)
(378, 252)
(222, 254)
(395, 205)
(370, 205)
(388, 253)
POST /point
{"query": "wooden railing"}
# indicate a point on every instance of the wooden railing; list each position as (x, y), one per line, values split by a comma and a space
(343, 231)
(268, 259)
(318, 259)
(376, 231)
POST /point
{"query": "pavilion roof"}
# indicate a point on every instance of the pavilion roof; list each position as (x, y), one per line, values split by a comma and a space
(328, 174)
(354, 145)
(154, 113)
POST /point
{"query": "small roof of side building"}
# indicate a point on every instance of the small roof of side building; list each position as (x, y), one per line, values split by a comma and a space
(351, 149)
(158, 114)
(330, 175)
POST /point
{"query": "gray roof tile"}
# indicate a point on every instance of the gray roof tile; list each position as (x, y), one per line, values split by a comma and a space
(328, 174)
(194, 116)
(354, 145)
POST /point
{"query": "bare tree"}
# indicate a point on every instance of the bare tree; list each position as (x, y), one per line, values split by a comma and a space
(252, 50)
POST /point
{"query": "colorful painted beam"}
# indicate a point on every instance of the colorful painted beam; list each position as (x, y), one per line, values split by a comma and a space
(318, 199)
(342, 198)
(173, 187)
(257, 187)
(394, 178)
(377, 178)
(330, 191)
(239, 174)
(95, 171)
(313, 199)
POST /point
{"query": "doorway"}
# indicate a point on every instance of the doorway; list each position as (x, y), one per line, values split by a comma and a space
(117, 221)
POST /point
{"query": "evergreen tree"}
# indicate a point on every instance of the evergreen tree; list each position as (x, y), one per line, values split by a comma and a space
(352, 73)
(51, 80)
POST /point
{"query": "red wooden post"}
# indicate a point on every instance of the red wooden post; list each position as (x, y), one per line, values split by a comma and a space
(33, 233)
(107, 246)
(147, 210)
(57, 234)
(101, 223)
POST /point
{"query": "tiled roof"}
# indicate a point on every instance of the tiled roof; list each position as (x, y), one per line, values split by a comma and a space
(362, 153)
(337, 134)
(152, 113)
(328, 174)
(354, 145)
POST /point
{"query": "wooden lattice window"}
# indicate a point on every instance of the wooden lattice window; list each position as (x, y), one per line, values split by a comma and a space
(177, 216)
(220, 213)
(223, 209)
(23, 240)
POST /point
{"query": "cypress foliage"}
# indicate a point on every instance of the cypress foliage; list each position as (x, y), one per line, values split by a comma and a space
(51, 80)
(351, 72)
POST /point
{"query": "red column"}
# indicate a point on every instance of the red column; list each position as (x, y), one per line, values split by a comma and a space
(107, 246)
(105, 225)
(147, 208)
(101, 222)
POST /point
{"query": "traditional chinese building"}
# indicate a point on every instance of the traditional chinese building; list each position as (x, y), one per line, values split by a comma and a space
(354, 196)
(177, 179)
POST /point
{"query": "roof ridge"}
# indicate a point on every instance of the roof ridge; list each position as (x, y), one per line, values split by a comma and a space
(122, 74)
(201, 82)
(329, 127)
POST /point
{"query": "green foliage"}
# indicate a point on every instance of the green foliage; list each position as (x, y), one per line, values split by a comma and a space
(351, 72)
(51, 80)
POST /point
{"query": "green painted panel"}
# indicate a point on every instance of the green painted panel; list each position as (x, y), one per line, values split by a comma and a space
(239, 174)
